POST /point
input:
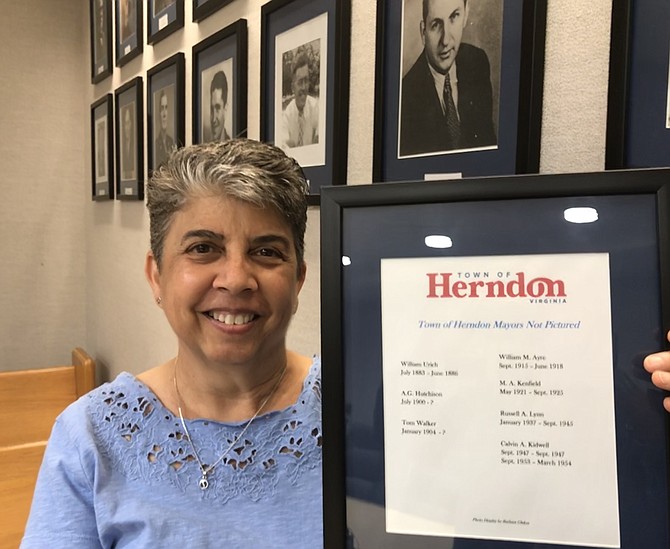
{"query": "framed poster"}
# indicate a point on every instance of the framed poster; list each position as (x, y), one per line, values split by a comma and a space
(129, 38)
(164, 17)
(220, 85)
(129, 141)
(483, 385)
(101, 39)
(638, 113)
(205, 8)
(305, 85)
(458, 88)
(165, 109)
(102, 150)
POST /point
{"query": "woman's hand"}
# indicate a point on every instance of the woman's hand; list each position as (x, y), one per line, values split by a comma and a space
(658, 365)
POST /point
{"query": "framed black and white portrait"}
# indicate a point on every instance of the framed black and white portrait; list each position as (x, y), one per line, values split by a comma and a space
(163, 18)
(304, 85)
(101, 39)
(220, 85)
(458, 88)
(129, 38)
(129, 141)
(102, 163)
(205, 8)
(300, 109)
(430, 46)
(638, 109)
(165, 109)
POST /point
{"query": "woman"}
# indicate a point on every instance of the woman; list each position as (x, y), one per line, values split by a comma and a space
(220, 446)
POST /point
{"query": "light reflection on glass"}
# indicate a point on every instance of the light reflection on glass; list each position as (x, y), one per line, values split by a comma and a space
(581, 215)
(346, 260)
(439, 241)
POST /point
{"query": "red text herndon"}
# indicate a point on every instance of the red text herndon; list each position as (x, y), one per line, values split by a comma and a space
(442, 285)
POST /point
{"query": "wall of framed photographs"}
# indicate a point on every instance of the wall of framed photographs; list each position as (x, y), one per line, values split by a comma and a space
(178, 69)
(205, 20)
(314, 31)
(95, 257)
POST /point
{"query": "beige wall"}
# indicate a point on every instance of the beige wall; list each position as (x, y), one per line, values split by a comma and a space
(72, 270)
(43, 181)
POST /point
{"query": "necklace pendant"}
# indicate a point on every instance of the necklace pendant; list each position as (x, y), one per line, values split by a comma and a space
(203, 483)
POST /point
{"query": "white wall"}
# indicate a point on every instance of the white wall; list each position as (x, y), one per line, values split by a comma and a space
(46, 231)
(44, 123)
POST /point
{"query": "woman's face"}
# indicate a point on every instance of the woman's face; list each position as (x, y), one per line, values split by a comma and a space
(229, 281)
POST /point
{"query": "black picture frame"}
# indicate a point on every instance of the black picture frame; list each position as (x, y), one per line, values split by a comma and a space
(490, 216)
(129, 30)
(129, 140)
(506, 37)
(223, 53)
(102, 149)
(307, 30)
(101, 39)
(165, 134)
(205, 8)
(164, 17)
(638, 111)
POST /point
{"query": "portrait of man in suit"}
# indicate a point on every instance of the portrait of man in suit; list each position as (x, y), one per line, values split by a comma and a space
(160, 5)
(127, 18)
(446, 99)
(216, 95)
(164, 142)
(100, 145)
(100, 31)
(128, 142)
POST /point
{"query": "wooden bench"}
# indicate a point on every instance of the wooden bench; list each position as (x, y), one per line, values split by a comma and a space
(30, 401)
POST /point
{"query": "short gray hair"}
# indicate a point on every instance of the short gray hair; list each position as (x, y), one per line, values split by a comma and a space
(244, 169)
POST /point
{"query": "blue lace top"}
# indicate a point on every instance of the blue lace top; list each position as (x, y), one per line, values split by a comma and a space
(119, 472)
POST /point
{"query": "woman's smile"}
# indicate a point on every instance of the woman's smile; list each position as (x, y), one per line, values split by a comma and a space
(230, 318)
(229, 280)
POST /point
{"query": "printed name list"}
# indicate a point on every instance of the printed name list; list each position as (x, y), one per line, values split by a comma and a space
(499, 398)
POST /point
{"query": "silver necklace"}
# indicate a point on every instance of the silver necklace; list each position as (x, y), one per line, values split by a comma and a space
(203, 483)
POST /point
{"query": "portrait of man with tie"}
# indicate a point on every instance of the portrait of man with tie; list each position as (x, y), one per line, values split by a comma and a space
(300, 115)
(164, 117)
(160, 5)
(446, 101)
(100, 149)
(100, 31)
(128, 142)
(216, 100)
(127, 19)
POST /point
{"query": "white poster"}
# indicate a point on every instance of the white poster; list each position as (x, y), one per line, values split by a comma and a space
(499, 399)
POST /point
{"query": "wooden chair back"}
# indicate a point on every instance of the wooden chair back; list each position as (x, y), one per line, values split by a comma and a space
(30, 401)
